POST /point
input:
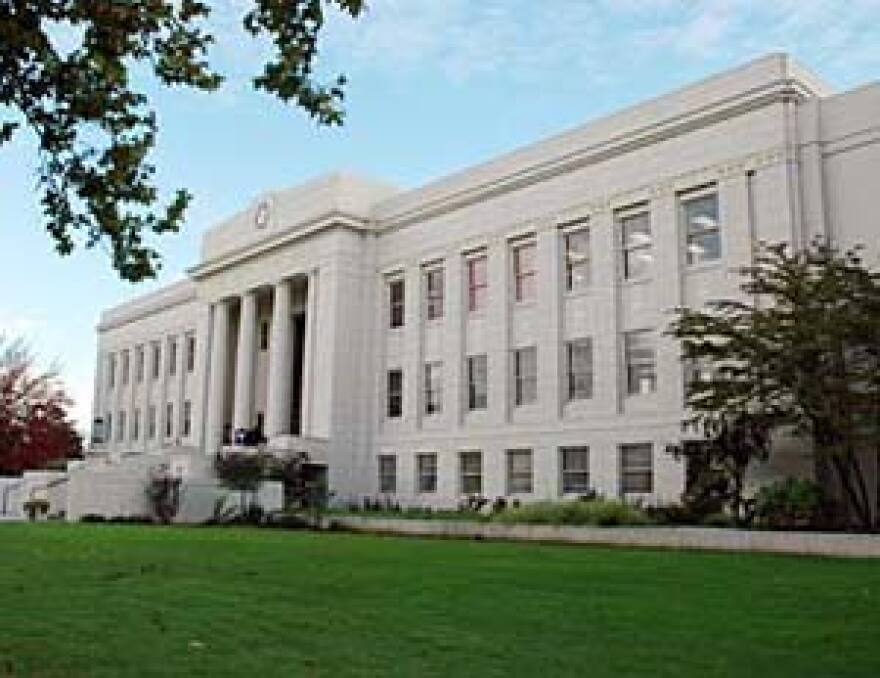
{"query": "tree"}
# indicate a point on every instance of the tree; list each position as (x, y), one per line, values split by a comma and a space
(34, 429)
(243, 471)
(95, 129)
(801, 353)
(717, 462)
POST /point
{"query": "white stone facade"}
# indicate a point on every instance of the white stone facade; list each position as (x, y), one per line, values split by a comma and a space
(535, 290)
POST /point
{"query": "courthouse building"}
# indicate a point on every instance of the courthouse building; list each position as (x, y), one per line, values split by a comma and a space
(497, 332)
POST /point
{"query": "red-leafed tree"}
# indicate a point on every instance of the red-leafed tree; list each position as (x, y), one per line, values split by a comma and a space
(34, 428)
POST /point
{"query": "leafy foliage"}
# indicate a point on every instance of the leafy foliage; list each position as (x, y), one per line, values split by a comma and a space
(800, 352)
(788, 504)
(34, 429)
(603, 512)
(93, 127)
(164, 493)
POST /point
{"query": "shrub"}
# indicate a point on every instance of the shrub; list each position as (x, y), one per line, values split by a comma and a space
(164, 493)
(787, 504)
(602, 512)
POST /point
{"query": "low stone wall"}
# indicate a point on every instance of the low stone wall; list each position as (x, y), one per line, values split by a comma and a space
(686, 538)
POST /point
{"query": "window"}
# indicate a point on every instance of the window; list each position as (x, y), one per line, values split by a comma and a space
(525, 375)
(172, 357)
(190, 353)
(387, 473)
(637, 245)
(702, 234)
(120, 427)
(261, 422)
(125, 367)
(169, 420)
(434, 293)
(636, 468)
(264, 335)
(108, 433)
(519, 471)
(139, 364)
(524, 272)
(157, 355)
(574, 465)
(395, 303)
(641, 375)
(395, 393)
(433, 387)
(577, 259)
(136, 424)
(579, 354)
(477, 283)
(471, 472)
(187, 417)
(151, 422)
(477, 373)
(111, 370)
(426, 472)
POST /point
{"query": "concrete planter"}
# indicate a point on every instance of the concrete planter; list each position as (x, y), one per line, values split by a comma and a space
(683, 538)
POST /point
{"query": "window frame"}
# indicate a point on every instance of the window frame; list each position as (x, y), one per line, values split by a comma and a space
(139, 360)
(565, 473)
(396, 307)
(690, 237)
(572, 392)
(570, 231)
(634, 367)
(136, 424)
(126, 366)
(433, 276)
(525, 280)
(186, 418)
(394, 396)
(169, 420)
(478, 290)
(384, 475)
(631, 250)
(478, 392)
(426, 472)
(156, 350)
(433, 394)
(467, 475)
(190, 353)
(525, 384)
(519, 481)
(172, 356)
(628, 474)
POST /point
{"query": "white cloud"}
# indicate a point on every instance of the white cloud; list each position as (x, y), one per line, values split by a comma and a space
(521, 41)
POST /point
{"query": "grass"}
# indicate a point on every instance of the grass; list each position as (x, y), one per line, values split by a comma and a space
(106, 600)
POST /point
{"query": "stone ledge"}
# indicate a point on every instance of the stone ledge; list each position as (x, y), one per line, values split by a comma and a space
(839, 545)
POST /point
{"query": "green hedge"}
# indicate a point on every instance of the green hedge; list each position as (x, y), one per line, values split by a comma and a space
(596, 512)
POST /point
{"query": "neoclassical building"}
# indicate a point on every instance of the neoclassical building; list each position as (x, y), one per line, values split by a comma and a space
(499, 331)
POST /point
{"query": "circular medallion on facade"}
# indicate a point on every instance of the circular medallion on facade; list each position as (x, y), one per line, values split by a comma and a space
(261, 216)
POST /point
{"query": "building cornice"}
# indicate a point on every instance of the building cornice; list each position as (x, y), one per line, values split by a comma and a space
(784, 89)
(330, 219)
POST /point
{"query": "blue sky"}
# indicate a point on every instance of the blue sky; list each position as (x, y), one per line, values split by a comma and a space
(435, 86)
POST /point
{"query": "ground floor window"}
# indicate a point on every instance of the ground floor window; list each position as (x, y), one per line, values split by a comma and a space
(636, 468)
(187, 417)
(426, 470)
(169, 420)
(519, 471)
(387, 473)
(574, 463)
(471, 472)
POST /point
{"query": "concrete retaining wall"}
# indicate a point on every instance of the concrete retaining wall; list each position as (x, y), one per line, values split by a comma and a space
(687, 538)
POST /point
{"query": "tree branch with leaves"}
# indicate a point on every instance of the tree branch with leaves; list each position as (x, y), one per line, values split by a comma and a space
(95, 130)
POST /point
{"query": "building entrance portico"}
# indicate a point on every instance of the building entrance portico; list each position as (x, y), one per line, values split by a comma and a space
(259, 364)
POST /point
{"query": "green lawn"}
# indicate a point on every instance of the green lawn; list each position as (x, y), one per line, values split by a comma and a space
(104, 600)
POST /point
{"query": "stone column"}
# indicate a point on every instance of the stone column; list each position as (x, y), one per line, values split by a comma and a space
(308, 367)
(244, 362)
(217, 386)
(280, 368)
(605, 251)
(453, 340)
(549, 306)
(498, 331)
